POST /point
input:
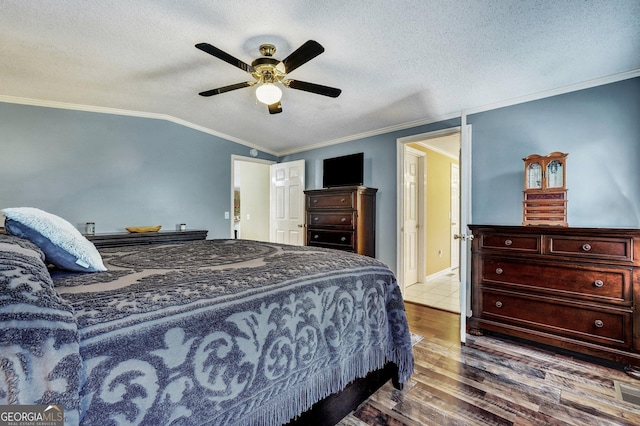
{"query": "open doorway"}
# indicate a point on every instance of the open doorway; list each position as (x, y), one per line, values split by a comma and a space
(438, 220)
(250, 198)
(267, 200)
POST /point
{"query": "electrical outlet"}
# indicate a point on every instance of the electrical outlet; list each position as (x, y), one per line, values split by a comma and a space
(226, 215)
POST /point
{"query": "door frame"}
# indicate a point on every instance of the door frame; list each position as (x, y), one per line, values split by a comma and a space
(400, 144)
(465, 220)
(455, 204)
(234, 158)
(465, 209)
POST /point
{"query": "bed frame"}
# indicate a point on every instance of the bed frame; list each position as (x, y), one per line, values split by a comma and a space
(329, 411)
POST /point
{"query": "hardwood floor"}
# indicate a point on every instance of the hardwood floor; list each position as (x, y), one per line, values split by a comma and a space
(495, 381)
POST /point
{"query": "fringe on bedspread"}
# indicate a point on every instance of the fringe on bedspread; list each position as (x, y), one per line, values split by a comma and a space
(297, 400)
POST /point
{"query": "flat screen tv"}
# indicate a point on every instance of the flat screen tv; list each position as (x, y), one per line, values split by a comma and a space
(347, 170)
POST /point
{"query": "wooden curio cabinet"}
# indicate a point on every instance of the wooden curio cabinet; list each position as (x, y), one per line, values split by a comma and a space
(545, 190)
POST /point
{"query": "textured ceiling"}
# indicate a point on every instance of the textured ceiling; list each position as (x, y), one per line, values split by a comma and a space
(397, 62)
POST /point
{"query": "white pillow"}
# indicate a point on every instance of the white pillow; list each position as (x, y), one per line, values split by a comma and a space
(62, 244)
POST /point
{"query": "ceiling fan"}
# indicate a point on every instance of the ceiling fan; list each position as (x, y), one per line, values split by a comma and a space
(270, 72)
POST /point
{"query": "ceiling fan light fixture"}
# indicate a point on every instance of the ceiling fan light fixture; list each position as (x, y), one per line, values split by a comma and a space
(270, 74)
(268, 93)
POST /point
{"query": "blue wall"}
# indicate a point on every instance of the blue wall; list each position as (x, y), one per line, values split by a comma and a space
(599, 128)
(114, 170)
(125, 171)
(380, 171)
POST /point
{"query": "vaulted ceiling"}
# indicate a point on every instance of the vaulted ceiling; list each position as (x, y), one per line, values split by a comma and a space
(399, 63)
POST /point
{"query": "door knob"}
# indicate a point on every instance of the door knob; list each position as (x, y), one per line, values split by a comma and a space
(462, 237)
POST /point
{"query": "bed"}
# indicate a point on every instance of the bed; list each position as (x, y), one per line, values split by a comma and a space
(202, 332)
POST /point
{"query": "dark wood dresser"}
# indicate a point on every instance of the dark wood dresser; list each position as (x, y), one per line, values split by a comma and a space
(118, 239)
(573, 288)
(342, 218)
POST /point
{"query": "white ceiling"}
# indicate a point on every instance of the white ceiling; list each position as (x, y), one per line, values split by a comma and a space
(398, 63)
(448, 145)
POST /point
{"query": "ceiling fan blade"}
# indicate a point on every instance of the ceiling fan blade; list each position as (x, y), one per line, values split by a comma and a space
(302, 55)
(227, 88)
(313, 88)
(212, 50)
(275, 108)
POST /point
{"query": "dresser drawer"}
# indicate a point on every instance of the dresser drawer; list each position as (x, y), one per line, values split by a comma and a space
(520, 243)
(342, 218)
(343, 200)
(584, 322)
(608, 284)
(328, 238)
(620, 249)
(345, 219)
(573, 288)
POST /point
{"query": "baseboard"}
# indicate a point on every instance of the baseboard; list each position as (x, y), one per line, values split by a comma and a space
(438, 274)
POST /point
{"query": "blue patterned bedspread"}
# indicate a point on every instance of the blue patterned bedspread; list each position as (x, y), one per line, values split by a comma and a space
(221, 332)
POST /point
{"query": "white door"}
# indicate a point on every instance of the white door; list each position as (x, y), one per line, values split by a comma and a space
(455, 215)
(411, 222)
(465, 219)
(287, 203)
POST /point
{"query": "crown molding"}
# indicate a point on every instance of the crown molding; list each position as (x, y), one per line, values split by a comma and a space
(403, 126)
(554, 92)
(371, 133)
(156, 116)
(509, 102)
(129, 113)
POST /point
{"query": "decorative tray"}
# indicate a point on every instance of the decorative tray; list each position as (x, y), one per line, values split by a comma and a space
(137, 229)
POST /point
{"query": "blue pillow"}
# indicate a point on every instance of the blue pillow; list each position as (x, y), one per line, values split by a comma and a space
(62, 244)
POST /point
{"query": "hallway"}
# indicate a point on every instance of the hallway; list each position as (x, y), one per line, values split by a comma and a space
(440, 293)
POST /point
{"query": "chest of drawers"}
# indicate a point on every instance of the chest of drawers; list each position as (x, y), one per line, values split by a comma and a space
(574, 288)
(342, 218)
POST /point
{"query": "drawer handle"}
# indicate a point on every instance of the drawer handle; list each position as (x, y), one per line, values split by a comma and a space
(498, 304)
(315, 201)
(599, 283)
(343, 220)
(598, 323)
(343, 200)
(343, 239)
(499, 271)
(508, 242)
(316, 218)
(315, 237)
(586, 247)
